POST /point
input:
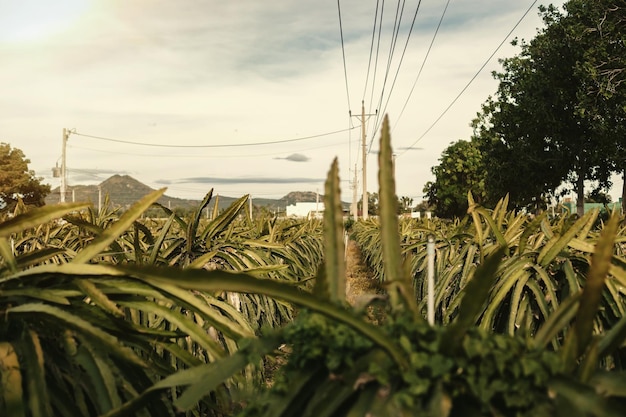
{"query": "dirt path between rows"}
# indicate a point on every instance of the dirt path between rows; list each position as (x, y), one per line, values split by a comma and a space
(358, 279)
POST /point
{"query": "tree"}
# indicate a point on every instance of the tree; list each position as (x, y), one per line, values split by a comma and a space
(597, 196)
(17, 181)
(461, 170)
(372, 204)
(600, 23)
(550, 121)
(405, 204)
(423, 206)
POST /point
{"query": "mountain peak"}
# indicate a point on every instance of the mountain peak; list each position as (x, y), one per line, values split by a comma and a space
(302, 197)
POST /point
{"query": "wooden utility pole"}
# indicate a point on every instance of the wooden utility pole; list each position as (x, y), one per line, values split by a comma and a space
(365, 198)
(63, 166)
(364, 156)
(355, 209)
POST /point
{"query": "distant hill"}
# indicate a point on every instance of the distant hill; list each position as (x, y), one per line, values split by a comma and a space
(121, 190)
(301, 197)
(124, 190)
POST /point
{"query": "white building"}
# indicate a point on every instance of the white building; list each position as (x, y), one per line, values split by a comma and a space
(307, 210)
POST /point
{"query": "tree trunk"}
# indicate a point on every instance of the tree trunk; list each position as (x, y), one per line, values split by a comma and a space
(580, 195)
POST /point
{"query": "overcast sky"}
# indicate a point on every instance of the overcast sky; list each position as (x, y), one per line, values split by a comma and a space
(245, 73)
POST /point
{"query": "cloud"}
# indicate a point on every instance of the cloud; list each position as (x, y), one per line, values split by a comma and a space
(296, 157)
(242, 180)
(97, 171)
(82, 174)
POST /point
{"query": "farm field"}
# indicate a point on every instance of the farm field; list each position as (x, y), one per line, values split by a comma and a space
(481, 274)
(241, 316)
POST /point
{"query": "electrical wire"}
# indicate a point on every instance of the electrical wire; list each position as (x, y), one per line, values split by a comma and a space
(369, 61)
(419, 73)
(392, 46)
(196, 156)
(230, 145)
(343, 53)
(380, 25)
(395, 78)
(470, 81)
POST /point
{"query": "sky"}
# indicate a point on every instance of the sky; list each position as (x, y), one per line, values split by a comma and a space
(247, 96)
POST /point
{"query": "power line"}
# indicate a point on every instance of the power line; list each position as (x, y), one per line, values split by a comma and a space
(406, 44)
(197, 156)
(343, 53)
(369, 61)
(392, 47)
(419, 73)
(230, 145)
(471, 80)
(380, 24)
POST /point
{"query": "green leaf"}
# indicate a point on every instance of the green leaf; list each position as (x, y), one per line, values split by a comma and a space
(221, 222)
(11, 394)
(594, 285)
(398, 283)
(333, 236)
(98, 297)
(557, 244)
(84, 327)
(195, 220)
(196, 332)
(220, 314)
(158, 244)
(37, 257)
(201, 280)
(301, 387)
(209, 377)
(609, 384)
(475, 294)
(30, 350)
(100, 243)
(492, 224)
(7, 254)
(201, 380)
(52, 296)
(37, 216)
(529, 230)
(202, 260)
(100, 377)
(583, 398)
(479, 237)
(613, 338)
(558, 321)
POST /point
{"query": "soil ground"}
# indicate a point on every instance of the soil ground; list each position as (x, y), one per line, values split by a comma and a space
(359, 280)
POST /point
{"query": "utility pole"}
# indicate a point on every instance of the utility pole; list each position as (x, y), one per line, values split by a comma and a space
(317, 202)
(66, 135)
(355, 210)
(364, 156)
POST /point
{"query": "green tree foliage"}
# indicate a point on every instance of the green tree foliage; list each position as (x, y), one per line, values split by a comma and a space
(600, 24)
(17, 181)
(559, 110)
(460, 170)
(597, 196)
(372, 204)
(405, 204)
